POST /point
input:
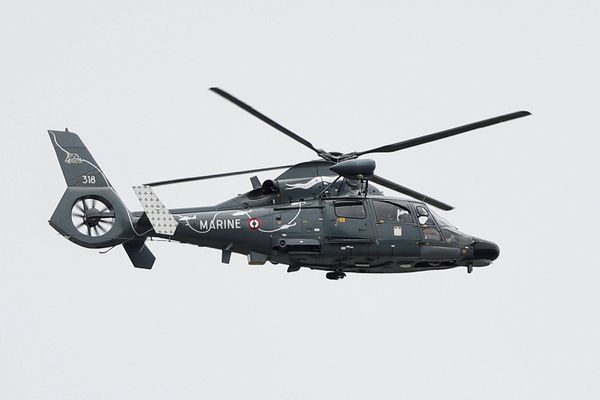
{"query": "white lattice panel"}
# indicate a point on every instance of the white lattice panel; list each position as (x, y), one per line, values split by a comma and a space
(161, 219)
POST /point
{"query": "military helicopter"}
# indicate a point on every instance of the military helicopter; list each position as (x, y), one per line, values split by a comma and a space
(325, 214)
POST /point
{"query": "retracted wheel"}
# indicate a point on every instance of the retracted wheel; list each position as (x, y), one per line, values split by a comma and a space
(335, 275)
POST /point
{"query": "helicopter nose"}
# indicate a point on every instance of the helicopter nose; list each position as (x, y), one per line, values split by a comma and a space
(484, 249)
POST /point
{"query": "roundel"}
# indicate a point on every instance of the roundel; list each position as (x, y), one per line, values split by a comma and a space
(253, 223)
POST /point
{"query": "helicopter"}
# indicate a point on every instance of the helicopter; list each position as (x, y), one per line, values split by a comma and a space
(325, 214)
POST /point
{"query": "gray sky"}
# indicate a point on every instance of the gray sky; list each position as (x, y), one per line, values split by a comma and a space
(131, 79)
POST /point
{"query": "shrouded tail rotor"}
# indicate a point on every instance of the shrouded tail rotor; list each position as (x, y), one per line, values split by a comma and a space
(92, 216)
(90, 213)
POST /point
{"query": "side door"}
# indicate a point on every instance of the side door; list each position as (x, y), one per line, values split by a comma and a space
(396, 230)
(297, 230)
(347, 228)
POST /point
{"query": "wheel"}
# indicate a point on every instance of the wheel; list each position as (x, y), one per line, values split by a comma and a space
(332, 276)
(335, 275)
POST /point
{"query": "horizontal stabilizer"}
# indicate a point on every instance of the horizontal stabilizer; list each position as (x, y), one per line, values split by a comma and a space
(161, 219)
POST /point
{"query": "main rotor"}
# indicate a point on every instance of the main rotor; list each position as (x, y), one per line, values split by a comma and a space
(337, 157)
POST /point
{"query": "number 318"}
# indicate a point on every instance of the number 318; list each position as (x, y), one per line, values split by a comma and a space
(89, 179)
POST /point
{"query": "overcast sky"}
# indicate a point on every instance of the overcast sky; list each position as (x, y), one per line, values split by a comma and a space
(132, 80)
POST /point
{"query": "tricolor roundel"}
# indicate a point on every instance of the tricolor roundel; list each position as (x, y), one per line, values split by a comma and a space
(253, 223)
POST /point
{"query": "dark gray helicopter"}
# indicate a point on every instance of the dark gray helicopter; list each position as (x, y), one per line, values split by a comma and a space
(324, 214)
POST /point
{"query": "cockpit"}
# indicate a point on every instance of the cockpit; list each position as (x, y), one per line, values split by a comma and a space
(433, 227)
(437, 228)
(451, 232)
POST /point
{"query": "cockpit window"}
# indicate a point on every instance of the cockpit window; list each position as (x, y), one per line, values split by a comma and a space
(443, 223)
(350, 209)
(385, 211)
(451, 232)
(431, 233)
(424, 217)
(428, 226)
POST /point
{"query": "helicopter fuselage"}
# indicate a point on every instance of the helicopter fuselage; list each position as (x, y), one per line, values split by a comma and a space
(351, 234)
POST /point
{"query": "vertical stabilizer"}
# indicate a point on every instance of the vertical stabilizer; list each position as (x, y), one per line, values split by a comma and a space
(90, 213)
(78, 166)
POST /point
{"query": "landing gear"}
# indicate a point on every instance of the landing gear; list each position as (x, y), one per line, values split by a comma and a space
(335, 275)
(469, 268)
(293, 268)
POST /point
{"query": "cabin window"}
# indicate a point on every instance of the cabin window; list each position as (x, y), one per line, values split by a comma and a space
(354, 209)
(385, 211)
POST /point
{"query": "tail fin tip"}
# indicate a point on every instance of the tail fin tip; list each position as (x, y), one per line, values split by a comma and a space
(78, 166)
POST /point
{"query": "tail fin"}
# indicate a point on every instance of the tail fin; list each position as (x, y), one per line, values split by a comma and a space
(78, 166)
(90, 213)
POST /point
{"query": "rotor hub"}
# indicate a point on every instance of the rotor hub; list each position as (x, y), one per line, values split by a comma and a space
(92, 216)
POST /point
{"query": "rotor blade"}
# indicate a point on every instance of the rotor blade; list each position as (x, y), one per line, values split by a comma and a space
(409, 192)
(264, 118)
(104, 215)
(444, 134)
(203, 177)
(103, 222)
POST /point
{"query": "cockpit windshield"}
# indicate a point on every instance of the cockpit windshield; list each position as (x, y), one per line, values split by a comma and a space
(443, 223)
(451, 232)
